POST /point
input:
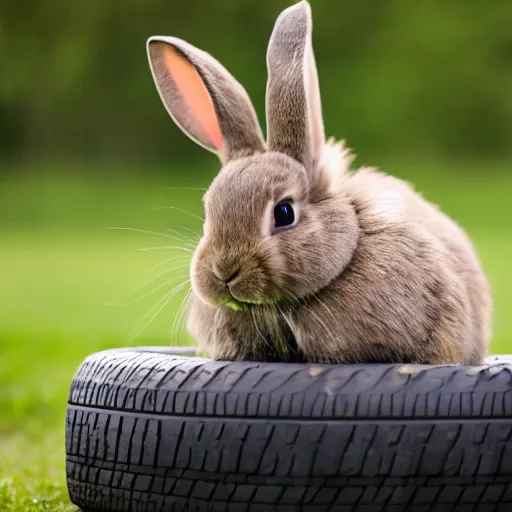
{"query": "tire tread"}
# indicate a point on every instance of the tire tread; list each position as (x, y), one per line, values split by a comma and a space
(155, 432)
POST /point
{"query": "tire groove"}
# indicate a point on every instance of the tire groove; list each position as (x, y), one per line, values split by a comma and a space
(308, 419)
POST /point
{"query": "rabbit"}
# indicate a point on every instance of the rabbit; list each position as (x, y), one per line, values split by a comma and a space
(303, 259)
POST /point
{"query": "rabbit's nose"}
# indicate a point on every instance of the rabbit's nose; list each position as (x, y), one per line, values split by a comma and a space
(232, 277)
(227, 274)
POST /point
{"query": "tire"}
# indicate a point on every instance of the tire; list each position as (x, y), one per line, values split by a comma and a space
(151, 431)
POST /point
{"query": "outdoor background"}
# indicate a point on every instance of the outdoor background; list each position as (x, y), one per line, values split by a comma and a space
(421, 89)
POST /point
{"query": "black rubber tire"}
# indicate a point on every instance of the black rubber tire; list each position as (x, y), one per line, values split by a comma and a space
(148, 431)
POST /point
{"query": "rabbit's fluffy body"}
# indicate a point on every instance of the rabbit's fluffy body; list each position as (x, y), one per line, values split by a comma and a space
(369, 271)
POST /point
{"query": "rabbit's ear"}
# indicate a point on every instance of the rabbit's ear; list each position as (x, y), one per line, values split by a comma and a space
(294, 111)
(204, 99)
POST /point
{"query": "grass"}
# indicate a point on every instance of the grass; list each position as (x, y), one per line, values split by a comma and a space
(61, 269)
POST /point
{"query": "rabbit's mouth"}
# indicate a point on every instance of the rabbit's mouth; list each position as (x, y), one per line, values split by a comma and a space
(242, 305)
(237, 305)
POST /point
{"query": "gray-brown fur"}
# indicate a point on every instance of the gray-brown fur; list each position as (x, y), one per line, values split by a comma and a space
(371, 271)
(293, 107)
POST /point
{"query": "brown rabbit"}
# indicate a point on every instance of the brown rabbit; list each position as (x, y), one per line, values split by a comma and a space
(301, 258)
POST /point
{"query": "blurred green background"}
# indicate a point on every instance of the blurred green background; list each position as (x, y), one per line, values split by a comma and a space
(421, 89)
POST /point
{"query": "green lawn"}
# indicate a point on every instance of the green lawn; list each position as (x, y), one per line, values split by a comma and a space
(64, 277)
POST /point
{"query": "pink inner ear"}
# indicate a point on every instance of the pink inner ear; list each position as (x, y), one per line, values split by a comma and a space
(195, 94)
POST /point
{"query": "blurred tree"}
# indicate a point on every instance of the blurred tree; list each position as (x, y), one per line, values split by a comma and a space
(398, 77)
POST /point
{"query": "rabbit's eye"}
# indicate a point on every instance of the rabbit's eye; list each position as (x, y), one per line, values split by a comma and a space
(284, 216)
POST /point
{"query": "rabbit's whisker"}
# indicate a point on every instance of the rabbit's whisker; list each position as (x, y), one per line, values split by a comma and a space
(324, 306)
(179, 210)
(185, 239)
(156, 309)
(258, 330)
(145, 231)
(189, 243)
(168, 247)
(177, 325)
(167, 260)
(320, 321)
(193, 232)
(126, 301)
(187, 188)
